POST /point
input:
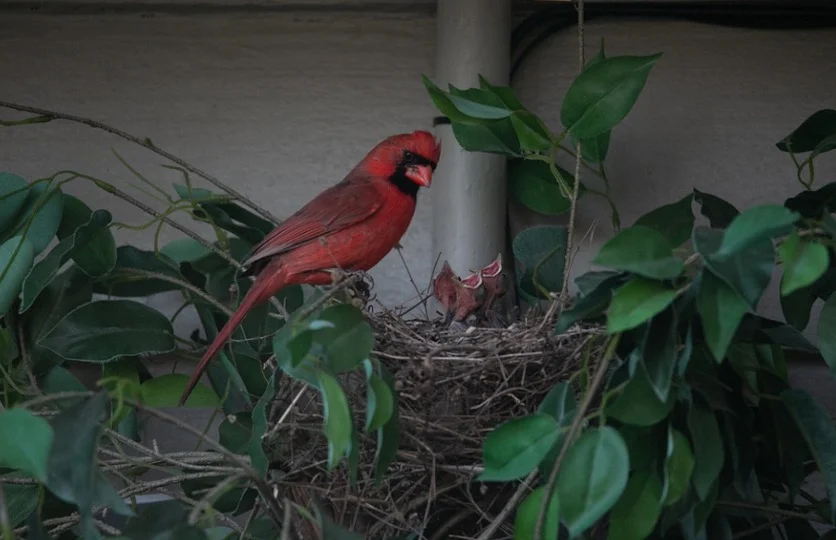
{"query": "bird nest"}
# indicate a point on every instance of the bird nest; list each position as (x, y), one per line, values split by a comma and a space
(454, 387)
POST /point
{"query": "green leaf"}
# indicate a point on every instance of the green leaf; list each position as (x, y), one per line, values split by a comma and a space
(515, 448)
(592, 478)
(10, 204)
(641, 250)
(528, 512)
(719, 212)
(638, 403)
(748, 272)
(827, 332)
(28, 441)
(337, 414)
(637, 301)
(594, 150)
(46, 269)
(816, 128)
(824, 146)
(678, 467)
(540, 254)
(21, 502)
(817, 427)
(815, 204)
(388, 437)
(185, 250)
(604, 93)
(592, 303)
(709, 455)
(721, 309)
(530, 132)
(235, 432)
(104, 330)
(165, 391)
(478, 103)
(495, 137)
(560, 404)
(124, 283)
(755, 225)
(16, 257)
(259, 423)
(634, 515)
(531, 183)
(444, 102)
(796, 308)
(349, 341)
(379, 400)
(94, 250)
(674, 221)
(804, 262)
(659, 352)
(46, 219)
(73, 476)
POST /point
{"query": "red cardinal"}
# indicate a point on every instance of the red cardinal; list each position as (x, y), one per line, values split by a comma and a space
(444, 290)
(350, 226)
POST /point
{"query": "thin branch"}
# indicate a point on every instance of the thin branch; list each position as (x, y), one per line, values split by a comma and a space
(509, 506)
(145, 143)
(180, 283)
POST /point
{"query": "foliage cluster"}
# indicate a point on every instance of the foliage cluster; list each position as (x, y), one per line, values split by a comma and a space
(687, 426)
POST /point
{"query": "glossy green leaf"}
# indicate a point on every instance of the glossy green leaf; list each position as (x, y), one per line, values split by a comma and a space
(816, 424)
(827, 332)
(804, 262)
(515, 448)
(531, 184)
(659, 352)
(12, 197)
(748, 272)
(638, 404)
(104, 330)
(755, 225)
(592, 303)
(709, 456)
(259, 422)
(594, 150)
(815, 203)
(16, 257)
(21, 503)
(678, 467)
(530, 132)
(604, 93)
(815, 128)
(235, 432)
(796, 308)
(25, 442)
(721, 309)
(337, 414)
(826, 145)
(124, 281)
(641, 250)
(165, 391)
(379, 401)
(45, 201)
(528, 512)
(388, 437)
(72, 472)
(592, 478)
(45, 270)
(185, 250)
(561, 405)
(504, 93)
(478, 103)
(94, 249)
(349, 341)
(540, 253)
(495, 137)
(634, 515)
(443, 103)
(674, 221)
(720, 213)
(637, 301)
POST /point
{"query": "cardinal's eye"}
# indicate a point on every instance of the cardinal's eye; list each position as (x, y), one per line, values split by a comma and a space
(408, 157)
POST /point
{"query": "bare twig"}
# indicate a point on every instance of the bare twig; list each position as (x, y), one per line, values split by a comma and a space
(145, 143)
(512, 503)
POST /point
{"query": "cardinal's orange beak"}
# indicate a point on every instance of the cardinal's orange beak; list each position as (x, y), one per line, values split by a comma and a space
(420, 174)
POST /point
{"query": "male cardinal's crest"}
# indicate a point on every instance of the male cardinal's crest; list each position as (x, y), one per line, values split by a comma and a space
(349, 227)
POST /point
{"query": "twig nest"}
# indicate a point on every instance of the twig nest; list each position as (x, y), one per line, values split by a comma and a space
(454, 387)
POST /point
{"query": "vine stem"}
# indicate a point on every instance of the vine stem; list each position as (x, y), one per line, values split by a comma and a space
(574, 429)
(145, 143)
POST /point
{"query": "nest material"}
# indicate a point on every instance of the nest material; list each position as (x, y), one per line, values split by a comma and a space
(453, 389)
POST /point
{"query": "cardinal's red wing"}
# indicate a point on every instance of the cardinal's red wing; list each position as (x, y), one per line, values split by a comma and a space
(335, 209)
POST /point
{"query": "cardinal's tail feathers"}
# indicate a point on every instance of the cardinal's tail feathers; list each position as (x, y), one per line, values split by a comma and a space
(260, 291)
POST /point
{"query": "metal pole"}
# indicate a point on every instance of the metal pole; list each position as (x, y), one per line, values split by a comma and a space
(469, 204)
